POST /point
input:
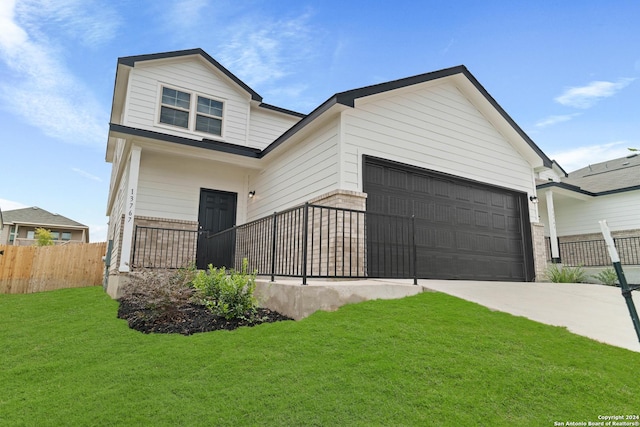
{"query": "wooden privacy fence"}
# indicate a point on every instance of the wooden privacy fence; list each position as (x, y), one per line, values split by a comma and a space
(27, 269)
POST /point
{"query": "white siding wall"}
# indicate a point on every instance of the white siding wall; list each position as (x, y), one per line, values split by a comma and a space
(433, 127)
(115, 216)
(581, 217)
(116, 164)
(143, 97)
(265, 126)
(169, 186)
(301, 172)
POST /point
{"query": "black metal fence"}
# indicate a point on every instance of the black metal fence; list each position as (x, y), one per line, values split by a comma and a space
(163, 247)
(320, 241)
(305, 241)
(593, 253)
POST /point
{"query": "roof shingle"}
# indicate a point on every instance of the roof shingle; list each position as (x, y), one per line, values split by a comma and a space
(38, 216)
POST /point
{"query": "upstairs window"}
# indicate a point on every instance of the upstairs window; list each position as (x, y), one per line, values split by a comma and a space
(175, 107)
(191, 111)
(209, 116)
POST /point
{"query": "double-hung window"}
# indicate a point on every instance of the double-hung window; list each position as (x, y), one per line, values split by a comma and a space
(175, 107)
(209, 116)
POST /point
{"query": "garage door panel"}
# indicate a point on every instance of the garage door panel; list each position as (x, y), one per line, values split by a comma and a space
(513, 223)
(441, 188)
(422, 184)
(463, 230)
(443, 213)
(481, 219)
(499, 222)
(463, 216)
(398, 179)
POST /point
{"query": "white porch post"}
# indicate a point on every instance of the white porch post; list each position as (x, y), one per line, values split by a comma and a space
(130, 209)
(553, 234)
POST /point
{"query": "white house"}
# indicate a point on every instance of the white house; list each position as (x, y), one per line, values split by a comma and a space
(189, 142)
(571, 205)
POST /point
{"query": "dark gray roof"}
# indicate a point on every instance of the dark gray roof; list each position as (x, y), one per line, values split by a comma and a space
(38, 216)
(612, 175)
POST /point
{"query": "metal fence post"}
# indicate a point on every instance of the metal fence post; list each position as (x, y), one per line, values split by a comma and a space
(135, 239)
(624, 286)
(273, 247)
(305, 238)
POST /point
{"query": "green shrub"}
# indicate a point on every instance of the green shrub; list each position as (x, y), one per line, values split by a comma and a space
(607, 277)
(43, 237)
(558, 274)
(227, 293)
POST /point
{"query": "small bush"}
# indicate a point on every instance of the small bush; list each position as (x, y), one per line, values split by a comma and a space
(607, 277)
(159, 295)
(227, 293)
(43, 237)
(558, 274)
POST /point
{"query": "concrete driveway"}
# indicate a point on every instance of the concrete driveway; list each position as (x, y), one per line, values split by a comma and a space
(594, 311)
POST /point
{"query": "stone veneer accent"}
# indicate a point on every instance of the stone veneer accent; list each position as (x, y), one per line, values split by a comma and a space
(339, 244)
(336, 245)
(539, 251)
(344, 199)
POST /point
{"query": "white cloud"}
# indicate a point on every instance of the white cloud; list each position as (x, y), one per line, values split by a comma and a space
(577, 158)
(89, 22)
(11, 34)
(9, 205)
(86, 174)
(185, 13)
(586, 96)
(262, 51)
(43, 91)
(552, 120)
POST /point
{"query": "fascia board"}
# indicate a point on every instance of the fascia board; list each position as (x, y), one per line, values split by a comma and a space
(564, 191)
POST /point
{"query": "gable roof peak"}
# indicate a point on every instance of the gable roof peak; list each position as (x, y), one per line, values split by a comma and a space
(131, 61)
(348, 97)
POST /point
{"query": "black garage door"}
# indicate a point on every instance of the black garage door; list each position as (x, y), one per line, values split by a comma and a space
(463, 229)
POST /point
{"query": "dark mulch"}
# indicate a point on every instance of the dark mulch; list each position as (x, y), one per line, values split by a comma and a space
(189, 319)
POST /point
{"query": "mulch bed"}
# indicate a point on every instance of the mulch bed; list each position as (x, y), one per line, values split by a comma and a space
(189, 319)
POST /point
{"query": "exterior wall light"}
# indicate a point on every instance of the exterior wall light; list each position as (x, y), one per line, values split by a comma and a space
(534, 199)
(252, 193)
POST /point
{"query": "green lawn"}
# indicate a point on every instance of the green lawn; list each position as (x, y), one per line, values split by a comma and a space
(426, 360)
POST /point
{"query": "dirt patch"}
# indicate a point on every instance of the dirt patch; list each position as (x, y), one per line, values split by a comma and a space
(189, 319)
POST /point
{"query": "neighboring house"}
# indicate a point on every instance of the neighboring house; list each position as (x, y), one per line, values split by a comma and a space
(20, 226)
(192, 147)
(571, 205)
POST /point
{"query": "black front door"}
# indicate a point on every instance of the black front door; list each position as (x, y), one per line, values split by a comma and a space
(217, 213)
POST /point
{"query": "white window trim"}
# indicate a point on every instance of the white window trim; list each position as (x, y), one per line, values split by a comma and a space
(193, 112)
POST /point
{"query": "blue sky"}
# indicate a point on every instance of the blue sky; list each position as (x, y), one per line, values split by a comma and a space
(566, 72)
